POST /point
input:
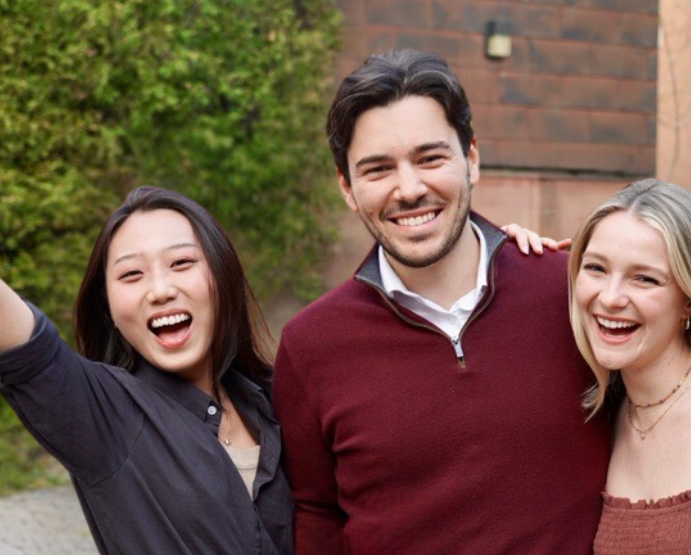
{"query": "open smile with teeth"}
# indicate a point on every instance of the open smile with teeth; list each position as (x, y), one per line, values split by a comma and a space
(417, 220)
(169, 320)
(170, 324)
(616, 327)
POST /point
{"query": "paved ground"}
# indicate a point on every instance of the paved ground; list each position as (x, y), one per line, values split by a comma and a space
(44, 522)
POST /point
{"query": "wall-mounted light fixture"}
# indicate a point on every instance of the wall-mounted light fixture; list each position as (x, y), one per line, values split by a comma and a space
(498, 40)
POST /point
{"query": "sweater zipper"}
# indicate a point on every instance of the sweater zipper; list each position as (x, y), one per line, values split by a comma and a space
(481, 309)
(455, 342)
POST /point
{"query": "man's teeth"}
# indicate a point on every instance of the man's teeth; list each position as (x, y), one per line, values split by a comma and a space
(611, 324)
(418, 220)
(169, 320)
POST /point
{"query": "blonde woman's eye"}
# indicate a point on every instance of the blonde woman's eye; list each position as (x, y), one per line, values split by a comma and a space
(593, 267)
(649, 280)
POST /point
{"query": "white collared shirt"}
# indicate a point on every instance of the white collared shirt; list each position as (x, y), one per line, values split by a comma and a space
(449, 321)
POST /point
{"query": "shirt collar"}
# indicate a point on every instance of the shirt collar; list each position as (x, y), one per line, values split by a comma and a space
(249, 400)
(393, 284)
(241, 389)
(178, 389)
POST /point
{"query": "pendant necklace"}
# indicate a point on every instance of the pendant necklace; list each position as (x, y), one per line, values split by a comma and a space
(632, 407)
(226, 411)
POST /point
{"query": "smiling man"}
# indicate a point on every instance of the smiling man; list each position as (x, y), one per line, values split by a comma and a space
(431, 405)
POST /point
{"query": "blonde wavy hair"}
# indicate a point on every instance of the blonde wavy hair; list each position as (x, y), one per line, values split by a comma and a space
(660, 205)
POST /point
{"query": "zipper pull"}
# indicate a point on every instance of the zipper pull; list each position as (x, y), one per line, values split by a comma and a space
(457, 347)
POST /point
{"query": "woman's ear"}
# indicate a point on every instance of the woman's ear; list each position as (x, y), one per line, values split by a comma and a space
(686, 316)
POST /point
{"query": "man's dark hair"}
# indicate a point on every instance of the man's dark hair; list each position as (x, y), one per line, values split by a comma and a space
(387, 78)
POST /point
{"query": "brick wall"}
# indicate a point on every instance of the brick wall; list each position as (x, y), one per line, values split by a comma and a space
(562, 124)
(578, 93)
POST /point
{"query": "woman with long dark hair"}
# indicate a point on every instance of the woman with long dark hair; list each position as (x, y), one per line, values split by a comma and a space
(164, 418)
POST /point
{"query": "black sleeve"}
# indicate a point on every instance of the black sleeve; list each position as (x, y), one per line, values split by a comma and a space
(84, 413)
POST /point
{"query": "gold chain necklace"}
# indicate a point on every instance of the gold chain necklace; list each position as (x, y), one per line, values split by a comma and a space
(656, 403)
(227, 411)
(644, 433)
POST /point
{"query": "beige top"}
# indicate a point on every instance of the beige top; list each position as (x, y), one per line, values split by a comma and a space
(660, 527)
(246, 461)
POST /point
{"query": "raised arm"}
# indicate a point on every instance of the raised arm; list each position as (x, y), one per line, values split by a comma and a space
(79, 410)
(16, 319)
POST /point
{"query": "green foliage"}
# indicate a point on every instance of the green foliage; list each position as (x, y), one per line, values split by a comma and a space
(49, 199)
(241, 97)
(223, 100)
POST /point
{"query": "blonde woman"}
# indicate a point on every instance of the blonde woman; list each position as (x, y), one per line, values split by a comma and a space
(630, 279)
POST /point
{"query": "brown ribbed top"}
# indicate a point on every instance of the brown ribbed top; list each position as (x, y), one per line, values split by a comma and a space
(661, 527)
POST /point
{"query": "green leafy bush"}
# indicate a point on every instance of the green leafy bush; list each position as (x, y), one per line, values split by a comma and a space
(223, 100)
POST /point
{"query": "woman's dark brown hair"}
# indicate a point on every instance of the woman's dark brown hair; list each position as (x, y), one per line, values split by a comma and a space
(240, 334)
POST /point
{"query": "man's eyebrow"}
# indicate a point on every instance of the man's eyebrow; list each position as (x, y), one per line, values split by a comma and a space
(375, 158)
(431, 146)
(176, 246)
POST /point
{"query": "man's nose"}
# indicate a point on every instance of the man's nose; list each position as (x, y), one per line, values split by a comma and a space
(410, 186)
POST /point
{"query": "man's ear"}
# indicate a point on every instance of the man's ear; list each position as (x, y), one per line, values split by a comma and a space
(346, 190)
(473, 161)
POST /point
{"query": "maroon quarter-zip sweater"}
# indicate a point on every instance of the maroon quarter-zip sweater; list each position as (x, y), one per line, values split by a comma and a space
(395, 446)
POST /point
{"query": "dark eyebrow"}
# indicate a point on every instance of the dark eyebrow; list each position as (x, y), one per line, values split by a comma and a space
(431, 146)
(375, 158)
(169, 248)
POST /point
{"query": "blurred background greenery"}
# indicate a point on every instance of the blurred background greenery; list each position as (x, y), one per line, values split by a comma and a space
(222, 100)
